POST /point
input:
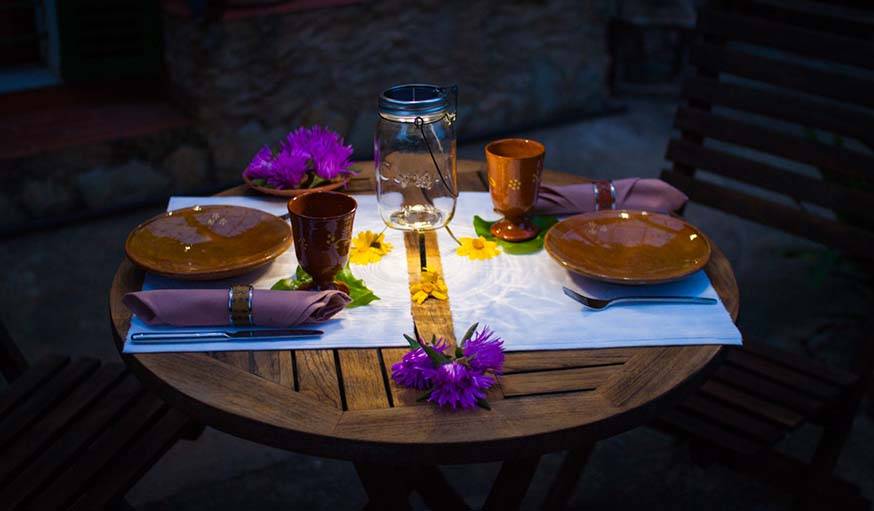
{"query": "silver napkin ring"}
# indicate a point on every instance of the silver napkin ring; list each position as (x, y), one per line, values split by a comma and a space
(240, 303)
(604, 194)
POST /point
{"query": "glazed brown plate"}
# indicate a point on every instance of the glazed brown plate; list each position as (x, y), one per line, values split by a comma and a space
(628, 247)
(294, 192)
(207, 242)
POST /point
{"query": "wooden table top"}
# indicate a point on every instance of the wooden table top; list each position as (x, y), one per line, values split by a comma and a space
(342, 403)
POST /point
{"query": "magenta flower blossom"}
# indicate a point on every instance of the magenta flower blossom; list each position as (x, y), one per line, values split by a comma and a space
(329, 157)
(456, 379)
(304, 150)
(457, 386)
(485, 351)
(282, 171)
(411, 371)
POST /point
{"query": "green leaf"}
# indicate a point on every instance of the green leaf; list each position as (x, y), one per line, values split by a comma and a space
(259, 182)
(414, 344)
(318, 181)
(438, 358)
(482, 403)
(469, 333)
(358, 291)
(482, 228)
(424, 397)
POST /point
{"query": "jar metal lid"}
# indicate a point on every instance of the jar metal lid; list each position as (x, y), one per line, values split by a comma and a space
(414, 99)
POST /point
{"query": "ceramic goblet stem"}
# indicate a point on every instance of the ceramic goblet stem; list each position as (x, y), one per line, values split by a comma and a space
(321, 225)
(514, 166)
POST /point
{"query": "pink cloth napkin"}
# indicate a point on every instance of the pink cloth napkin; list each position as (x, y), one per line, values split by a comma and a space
(209, 307)
(631, 193)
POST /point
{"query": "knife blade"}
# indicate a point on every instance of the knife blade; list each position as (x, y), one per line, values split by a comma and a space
(221, 335)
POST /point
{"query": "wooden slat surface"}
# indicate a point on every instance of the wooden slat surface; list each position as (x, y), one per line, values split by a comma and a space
(32, 442)
(45, 397)
(125, 469)
(797, 77)
(710, 432)
(363, 380)
(780, 104)
(317, 375)
(565, 359)
(560, 380)
(841, 161)
(740, 421)
(762, 387)
(812, 43)
(33, 378)
(69, 446)
(783, 375)
(798, 186)
(836, 20)
(336, 402)
(275, 366)
(764, 407)
(855, 241)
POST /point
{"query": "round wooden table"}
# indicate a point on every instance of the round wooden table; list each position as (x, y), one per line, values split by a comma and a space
(342, 403)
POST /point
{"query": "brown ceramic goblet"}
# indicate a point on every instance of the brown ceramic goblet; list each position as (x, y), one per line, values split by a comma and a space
(321, 226)
(515, 166)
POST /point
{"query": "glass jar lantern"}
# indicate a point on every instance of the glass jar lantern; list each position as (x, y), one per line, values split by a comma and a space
(414, 156)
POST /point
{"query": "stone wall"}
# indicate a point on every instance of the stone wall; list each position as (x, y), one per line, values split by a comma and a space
(518, 64)
(250, 80)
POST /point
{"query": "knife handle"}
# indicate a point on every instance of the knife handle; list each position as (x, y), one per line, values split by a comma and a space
(155, 337)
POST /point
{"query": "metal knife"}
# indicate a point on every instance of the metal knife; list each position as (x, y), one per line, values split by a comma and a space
(220, 335)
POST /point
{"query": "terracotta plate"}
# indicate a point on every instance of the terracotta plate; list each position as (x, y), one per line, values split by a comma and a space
(628, 247)
(207, 242)
(294, 192)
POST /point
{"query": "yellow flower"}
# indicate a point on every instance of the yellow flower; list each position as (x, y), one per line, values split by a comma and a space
(368, 247)
(430, 285)
(478, 248)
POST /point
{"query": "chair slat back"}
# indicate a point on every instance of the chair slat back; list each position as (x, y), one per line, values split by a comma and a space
(12, 361)
(778, 125)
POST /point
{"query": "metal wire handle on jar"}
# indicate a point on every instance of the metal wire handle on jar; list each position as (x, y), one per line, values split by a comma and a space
(420, 123)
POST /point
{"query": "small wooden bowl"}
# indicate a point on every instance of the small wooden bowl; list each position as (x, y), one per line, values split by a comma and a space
(294, 192)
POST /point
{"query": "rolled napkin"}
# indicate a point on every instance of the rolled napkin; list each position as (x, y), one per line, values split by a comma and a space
(631, 193)
(238, 306)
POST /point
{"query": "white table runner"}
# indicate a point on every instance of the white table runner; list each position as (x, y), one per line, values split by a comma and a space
(381, 323)
(520, 297)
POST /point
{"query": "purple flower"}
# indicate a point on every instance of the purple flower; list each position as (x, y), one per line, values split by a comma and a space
(457, 385)
(485, 351)
(284, 170)
(411, 371)
(329, 156)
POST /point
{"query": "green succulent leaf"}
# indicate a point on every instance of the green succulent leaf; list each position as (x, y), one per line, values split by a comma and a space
(483, 228)
(469, 333)
(358, 291)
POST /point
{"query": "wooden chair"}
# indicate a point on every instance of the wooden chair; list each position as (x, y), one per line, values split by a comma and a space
(809, 72)
(755, 60)
(76, 434)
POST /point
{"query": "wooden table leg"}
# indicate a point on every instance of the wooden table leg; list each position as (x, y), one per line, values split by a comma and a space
(566, 481)
(387, 487)
(511, 485)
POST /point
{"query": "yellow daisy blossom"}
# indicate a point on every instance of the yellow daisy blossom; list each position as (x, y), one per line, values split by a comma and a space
(431, 284)
(478, 248)
(368, 247)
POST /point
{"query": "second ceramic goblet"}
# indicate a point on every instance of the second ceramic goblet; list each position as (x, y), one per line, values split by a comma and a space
(515, 166)
(321, 225)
